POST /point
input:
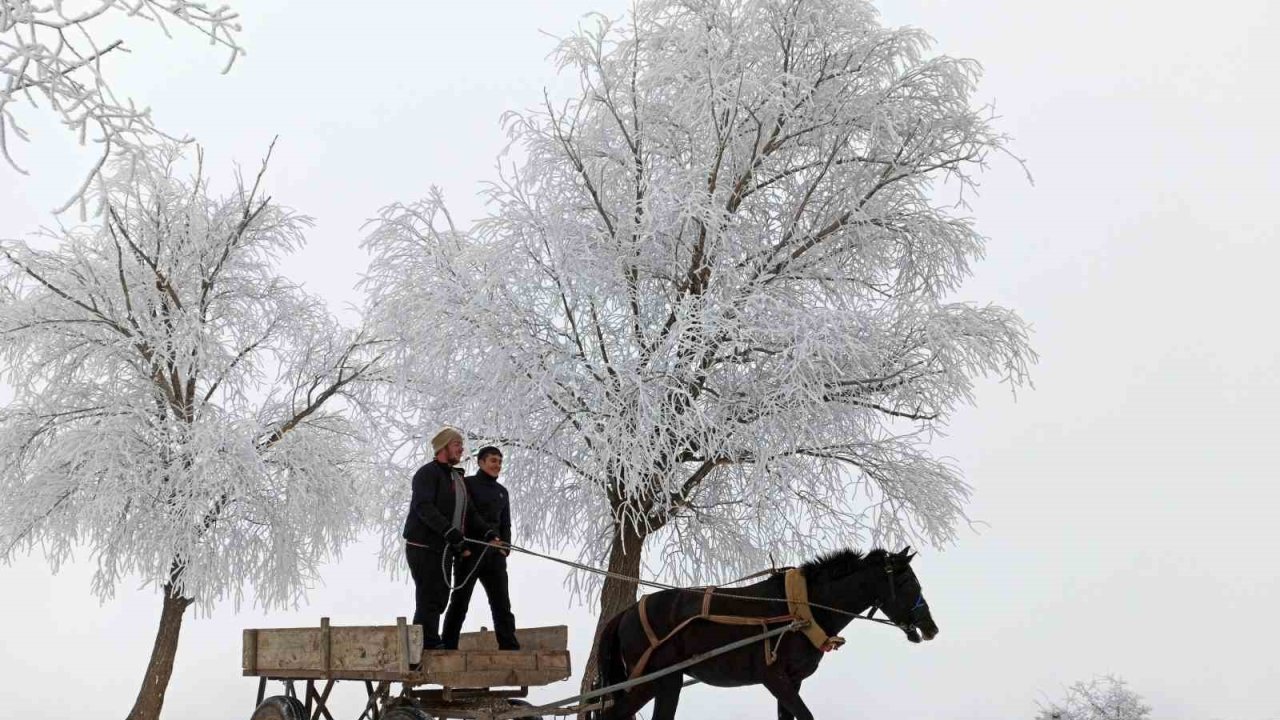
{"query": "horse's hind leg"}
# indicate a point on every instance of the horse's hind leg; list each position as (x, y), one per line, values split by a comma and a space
(787, 692)
(668, 696)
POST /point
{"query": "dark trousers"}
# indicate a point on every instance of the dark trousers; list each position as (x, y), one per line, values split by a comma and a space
(431, 591)
(492, 574)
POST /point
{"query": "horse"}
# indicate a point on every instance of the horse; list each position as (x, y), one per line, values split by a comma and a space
(840, 586)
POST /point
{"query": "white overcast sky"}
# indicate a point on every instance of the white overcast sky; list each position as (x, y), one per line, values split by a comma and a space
(1126, 501)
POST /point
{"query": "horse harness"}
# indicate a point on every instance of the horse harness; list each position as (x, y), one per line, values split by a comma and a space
(797, 591)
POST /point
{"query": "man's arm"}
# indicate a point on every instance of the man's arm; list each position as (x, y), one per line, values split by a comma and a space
(425, 486)
(477, 521)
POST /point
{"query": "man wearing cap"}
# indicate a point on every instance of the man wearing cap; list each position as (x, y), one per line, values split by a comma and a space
(489, 566)
(439, 515)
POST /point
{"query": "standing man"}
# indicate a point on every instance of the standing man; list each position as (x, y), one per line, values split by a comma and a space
(488, 567)
(439, 515)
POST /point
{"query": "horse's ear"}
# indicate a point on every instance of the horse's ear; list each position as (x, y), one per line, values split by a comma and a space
(904, 552)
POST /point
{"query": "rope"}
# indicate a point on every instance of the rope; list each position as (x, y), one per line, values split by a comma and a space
(444, 568)
(664, 586)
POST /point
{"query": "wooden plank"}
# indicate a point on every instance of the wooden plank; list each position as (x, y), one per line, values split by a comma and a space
(545, 674)
(496, 678)
(356, 648)
(289, 649)
(322, 700)
(316, 674)
(501, 661)
(402, 644)
(555, 661)
(443, 661)
(555, 637)
(249, 652)
(326, 645)
(385, 653)
(510, 669)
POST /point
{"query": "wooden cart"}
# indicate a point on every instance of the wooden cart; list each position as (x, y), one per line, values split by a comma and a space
(475, 681)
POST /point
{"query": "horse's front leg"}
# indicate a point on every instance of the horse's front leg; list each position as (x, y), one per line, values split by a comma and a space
(787, 692)
(626, 707)
(667, 696)
(783, 712)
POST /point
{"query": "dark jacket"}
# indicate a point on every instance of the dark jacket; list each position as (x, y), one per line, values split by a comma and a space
(430, 515)
(490, 499)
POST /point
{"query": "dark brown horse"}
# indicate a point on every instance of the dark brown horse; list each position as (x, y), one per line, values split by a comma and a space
(840, 586)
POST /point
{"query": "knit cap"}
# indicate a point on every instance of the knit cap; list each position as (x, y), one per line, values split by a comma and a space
(443, 438)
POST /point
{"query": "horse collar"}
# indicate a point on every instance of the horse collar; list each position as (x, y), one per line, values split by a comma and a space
(798, 604)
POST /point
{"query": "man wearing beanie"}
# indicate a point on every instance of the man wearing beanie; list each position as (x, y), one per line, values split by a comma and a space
(439, 515)
(489, 567)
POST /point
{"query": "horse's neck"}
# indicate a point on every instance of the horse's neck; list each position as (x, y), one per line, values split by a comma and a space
(851, 594)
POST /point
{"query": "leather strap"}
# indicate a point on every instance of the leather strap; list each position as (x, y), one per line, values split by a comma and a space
(655, 642)
(644, 621)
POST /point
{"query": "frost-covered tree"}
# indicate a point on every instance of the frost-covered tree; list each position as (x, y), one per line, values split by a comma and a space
(53, 52)
(709, 307)
(180, 411)
(1102, 698)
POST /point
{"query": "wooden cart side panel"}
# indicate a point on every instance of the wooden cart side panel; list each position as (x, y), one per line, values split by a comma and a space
(494, 678)
(555, 637)
(492, 669)
(451, 669)
(555, 662)
(501, 661)
(357, 648)
(350, 649)
(288, 649)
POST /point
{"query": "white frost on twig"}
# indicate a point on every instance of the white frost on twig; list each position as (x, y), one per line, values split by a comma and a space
(709, 306)
(180, 409)
(50, 52)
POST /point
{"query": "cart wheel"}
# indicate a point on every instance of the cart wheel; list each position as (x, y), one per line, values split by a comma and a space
(406, 712)
(280, 707)
(524, 703)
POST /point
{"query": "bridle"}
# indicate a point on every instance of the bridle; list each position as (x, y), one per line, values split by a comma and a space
(908, 627)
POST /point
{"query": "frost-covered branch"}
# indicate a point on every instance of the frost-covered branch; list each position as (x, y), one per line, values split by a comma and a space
(1104, 697)
(54, 52)
(180, 409)
(711, 305)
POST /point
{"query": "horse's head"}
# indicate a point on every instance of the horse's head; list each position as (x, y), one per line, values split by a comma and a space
(901, 598)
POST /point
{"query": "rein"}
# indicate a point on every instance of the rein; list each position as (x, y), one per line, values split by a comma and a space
(663, 586)
(446, 566)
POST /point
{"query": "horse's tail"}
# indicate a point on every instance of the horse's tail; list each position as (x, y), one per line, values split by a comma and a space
(610, 669)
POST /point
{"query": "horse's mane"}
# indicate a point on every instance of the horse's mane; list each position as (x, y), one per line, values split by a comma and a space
(840, 563)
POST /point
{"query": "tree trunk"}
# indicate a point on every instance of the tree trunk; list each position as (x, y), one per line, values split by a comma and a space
(617, 595)
(160, 668)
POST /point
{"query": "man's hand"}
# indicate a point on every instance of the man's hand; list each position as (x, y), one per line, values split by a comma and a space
(500, 546)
